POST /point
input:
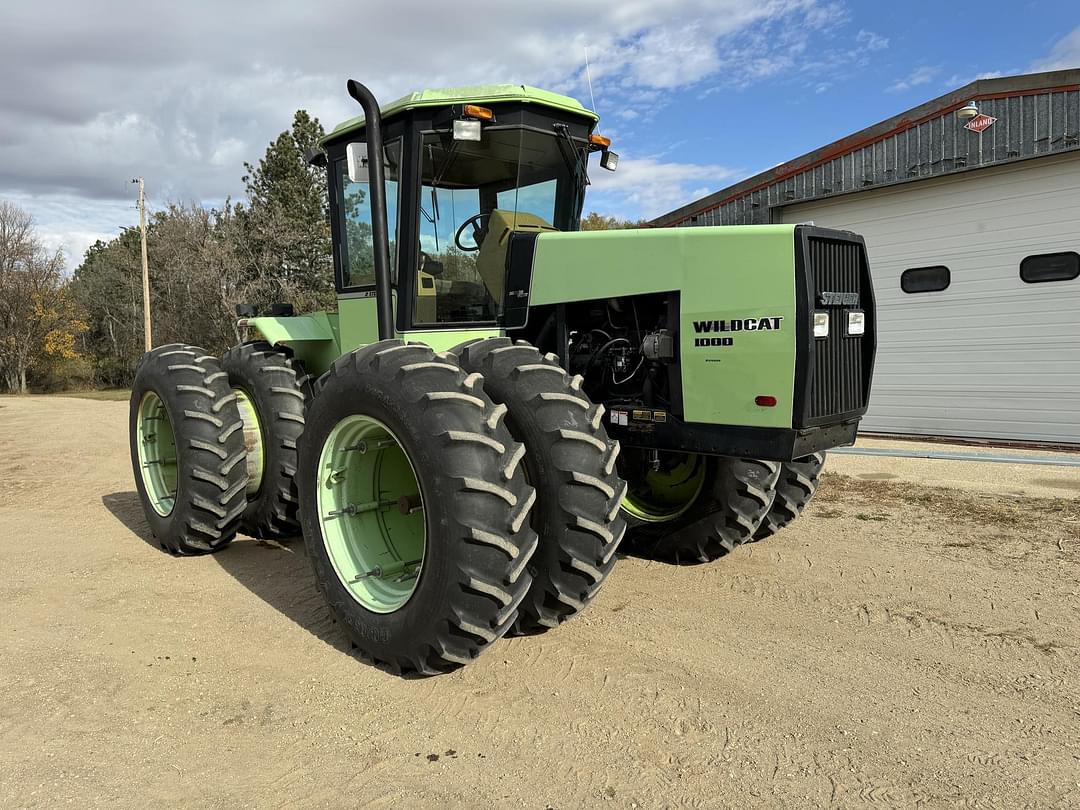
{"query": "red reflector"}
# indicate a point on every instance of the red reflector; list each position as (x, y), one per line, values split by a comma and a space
(765, 401)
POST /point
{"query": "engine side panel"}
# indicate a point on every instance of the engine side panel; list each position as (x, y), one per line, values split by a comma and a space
(736, 336)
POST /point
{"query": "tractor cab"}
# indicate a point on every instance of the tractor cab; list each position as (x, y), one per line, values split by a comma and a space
(468, 178)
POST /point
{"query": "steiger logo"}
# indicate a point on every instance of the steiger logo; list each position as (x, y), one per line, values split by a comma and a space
(838, 299)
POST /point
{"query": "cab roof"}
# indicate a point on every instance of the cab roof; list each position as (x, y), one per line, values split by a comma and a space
(475, 94)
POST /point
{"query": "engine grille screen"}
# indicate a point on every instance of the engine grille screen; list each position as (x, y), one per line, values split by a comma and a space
(840, 371)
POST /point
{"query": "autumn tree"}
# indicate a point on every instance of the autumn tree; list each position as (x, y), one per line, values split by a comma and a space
(598, 222)
(198, 273)
(198, 276)
(38, 319)
(108, 288)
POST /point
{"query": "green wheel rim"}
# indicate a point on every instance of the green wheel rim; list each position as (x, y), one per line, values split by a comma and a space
(157, 453)
(667, 493)
(371, 513)
(253, 440)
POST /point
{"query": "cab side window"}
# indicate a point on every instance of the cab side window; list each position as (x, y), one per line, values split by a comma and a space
(354, 219)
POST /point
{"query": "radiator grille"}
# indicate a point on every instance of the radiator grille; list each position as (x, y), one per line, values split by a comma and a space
(839, 375)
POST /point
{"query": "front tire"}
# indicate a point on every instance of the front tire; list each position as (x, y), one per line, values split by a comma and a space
(570, 461)
(698, 508)
(414, 507)
(187, 450)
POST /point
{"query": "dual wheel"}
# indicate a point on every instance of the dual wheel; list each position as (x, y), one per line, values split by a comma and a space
(214, 444)
(482, 451)
(447, 499)
(423, 487)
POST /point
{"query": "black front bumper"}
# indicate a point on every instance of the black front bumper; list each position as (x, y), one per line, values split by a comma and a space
(770, 444)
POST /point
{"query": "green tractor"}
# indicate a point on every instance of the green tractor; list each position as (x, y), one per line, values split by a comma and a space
(499, 398)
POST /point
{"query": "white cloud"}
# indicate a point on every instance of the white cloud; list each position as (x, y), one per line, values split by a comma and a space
(958, 80)
(71, 224)
(833, 65)
(647, 186)
(1064, 55)
(919, 76)
(94, 94)
(871, 41)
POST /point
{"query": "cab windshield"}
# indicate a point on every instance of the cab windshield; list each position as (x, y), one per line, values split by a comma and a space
(472, 194)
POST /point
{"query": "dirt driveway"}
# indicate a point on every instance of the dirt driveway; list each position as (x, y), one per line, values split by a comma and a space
(902, 646)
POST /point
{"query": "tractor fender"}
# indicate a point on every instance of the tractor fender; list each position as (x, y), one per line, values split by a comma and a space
(312, 338)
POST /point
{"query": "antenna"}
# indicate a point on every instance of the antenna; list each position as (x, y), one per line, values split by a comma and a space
(588, 75)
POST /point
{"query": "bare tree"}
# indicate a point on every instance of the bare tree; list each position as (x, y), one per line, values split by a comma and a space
(37, 318)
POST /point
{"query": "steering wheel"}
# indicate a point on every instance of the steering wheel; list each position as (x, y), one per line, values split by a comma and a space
(479, 226)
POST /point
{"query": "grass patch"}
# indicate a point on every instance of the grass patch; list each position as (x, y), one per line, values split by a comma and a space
(107, 395)
(1051, 516)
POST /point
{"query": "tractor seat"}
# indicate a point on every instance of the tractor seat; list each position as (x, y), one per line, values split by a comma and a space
(491, 261)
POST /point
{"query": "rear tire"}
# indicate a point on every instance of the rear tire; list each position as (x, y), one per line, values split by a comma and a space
(570, 461)
(271, 400)
(725, 508)
(795, 487)
(414, 507)
(187, 450)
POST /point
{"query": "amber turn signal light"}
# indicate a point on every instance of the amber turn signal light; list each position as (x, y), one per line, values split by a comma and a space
(474, 111)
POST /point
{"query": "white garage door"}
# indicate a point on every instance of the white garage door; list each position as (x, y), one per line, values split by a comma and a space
(990, 356)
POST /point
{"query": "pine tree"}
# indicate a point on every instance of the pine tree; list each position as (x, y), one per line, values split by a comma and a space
(287, 219)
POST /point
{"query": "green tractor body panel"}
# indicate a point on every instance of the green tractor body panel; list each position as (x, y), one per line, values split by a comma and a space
(319, 338)
(477, 94)
(358, 328)
(313, 338)
(442, 339)
(358, 322)
(730, 276)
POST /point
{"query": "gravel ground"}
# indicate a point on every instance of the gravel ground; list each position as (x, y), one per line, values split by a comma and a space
(911, 641)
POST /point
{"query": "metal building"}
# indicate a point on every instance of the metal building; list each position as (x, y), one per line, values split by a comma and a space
(973, 231)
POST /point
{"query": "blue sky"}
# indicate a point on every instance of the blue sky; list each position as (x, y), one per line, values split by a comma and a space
(697, 94)
(870, 62)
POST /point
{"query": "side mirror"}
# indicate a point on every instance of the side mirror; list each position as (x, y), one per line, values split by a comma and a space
(609, 160)
(356, 161)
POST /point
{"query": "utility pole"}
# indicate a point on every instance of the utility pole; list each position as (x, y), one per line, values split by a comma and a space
(145, 266)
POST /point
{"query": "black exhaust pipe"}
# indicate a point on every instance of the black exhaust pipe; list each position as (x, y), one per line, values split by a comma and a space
(384, 305)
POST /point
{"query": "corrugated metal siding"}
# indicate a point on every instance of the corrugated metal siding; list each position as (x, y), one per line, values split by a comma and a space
(1027, 125)
(991, 356)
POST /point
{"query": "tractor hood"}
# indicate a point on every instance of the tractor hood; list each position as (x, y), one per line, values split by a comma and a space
(736, 288)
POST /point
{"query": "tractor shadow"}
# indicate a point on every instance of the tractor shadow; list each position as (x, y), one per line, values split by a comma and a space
(125, 507)
(645, 551)
(277, 573)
